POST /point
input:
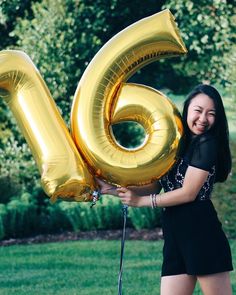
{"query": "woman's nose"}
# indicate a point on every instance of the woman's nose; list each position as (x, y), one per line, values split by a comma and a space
(203, 118)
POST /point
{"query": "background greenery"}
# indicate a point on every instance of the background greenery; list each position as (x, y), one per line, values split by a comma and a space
(61, 37)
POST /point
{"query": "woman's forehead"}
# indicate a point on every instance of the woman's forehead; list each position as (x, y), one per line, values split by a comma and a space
(202, 100)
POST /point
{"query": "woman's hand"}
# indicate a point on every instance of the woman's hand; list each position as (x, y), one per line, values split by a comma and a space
(106, 188)
(128, 197)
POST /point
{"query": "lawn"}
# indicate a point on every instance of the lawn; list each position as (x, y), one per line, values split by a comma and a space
(83, 267)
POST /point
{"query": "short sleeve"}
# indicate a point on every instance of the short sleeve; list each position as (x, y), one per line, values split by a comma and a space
(204, 153)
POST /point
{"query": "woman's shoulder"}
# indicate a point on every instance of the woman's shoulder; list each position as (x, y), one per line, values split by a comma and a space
(206, 141)
(206, 137)
(203, 151)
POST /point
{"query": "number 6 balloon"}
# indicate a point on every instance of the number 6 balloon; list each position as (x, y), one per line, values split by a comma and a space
(102, 98)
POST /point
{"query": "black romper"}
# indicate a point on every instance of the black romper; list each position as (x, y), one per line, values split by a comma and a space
(194, 242)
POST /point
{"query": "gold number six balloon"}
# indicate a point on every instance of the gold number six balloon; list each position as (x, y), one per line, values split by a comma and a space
(102, 99)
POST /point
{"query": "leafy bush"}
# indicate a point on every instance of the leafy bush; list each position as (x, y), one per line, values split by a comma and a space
(2, 220)
(207, 28)
(145, 217)
(27, 216)
(18, 172)
(21, 217)
(105, 215)
(224, 198)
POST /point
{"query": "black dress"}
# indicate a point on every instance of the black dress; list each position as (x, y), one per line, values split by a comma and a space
(194, 242)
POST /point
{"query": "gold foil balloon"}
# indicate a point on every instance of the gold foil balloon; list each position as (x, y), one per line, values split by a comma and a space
(102, 98)
(64, 173)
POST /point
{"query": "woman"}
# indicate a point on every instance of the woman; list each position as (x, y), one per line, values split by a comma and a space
(195, 247)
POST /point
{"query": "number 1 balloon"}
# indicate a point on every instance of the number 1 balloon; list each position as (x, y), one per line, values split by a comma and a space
(102, 98)
(63, 172)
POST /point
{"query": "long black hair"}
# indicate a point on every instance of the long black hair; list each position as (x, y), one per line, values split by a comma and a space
(220, 129)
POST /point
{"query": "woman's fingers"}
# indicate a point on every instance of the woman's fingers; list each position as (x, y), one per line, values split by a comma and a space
(122, 189)
(122, 192)
(105, 187)
(100, 182)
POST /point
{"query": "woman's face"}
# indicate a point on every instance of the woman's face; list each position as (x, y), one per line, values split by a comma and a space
(201, 114)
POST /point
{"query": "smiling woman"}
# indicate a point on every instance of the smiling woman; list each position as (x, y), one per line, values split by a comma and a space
(201, 114)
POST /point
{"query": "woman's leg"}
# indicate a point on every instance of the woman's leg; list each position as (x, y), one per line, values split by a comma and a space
(178, 284)
(215, 284)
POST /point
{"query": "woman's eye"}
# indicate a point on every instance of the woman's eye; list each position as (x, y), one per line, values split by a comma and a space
(198, 111)
(212, 114)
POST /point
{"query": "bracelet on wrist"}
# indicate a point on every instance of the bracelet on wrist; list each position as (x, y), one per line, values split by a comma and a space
(155, 200)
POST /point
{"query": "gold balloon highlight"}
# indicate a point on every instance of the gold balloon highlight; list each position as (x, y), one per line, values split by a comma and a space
(103, 98)
(64, 173)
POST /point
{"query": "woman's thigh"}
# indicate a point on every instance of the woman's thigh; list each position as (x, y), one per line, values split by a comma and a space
(182, 284)
(215, 284)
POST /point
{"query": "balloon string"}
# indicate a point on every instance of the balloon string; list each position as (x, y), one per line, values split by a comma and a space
(125, 211)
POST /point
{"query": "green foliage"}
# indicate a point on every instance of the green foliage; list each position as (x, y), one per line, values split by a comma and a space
(2, 219)
(9, 12)
(224, 197)
(207, 29)
(107, 214)
(8, 128)
(231, 89)
(145, 217)
(34, 214)
(18, 171)
(20, 218)
(129, 134)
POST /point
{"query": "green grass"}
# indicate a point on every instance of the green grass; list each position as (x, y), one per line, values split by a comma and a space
(84, 267)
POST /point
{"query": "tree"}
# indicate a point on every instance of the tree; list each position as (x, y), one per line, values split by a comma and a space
(207, 29)
(10, 11)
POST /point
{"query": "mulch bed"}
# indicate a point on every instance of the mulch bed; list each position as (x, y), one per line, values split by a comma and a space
(131, 234)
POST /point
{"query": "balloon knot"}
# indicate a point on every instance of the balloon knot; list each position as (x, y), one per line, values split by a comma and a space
(96, 196)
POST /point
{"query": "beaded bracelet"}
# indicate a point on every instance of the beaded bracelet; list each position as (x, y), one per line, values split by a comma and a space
(154, 200)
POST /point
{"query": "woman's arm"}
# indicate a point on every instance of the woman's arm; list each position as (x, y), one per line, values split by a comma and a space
(193, 182)
(143, 190)
(147, 189)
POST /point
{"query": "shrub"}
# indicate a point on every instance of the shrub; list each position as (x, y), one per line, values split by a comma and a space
(2, 220)
(105, 215)
(224, 198)
(21, 217)
(145, 217)
(18, 172)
